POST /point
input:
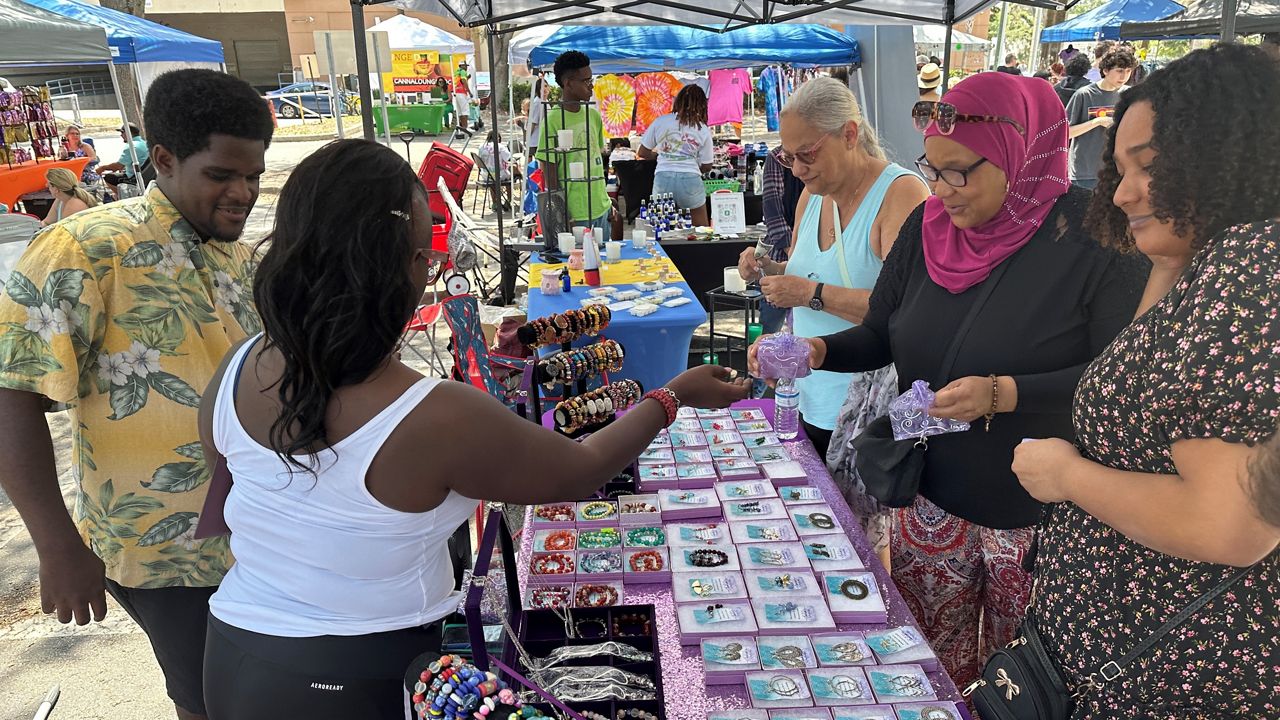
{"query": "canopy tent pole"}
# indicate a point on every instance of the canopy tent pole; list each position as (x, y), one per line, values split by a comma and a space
(511, 113)
(1229, 20)
(362, 69)
(128, 134)
(509, 259)
(382, 94)
(946, 50)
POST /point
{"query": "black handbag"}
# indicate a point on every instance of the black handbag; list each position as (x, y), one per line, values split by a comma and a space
(891, 469)
(1022, 681)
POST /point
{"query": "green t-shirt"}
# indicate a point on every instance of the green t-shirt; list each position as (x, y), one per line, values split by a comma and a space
(589, 147)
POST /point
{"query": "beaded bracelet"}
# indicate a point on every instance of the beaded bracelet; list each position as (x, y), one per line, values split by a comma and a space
(646, 537)
(553, 564)
(640, 622)
(598, 510)
(559, 540)
(709, 558)
(602, 538)
(646, 561)
(555, 513)
(453, 689)
(595, 596)
(636, 714)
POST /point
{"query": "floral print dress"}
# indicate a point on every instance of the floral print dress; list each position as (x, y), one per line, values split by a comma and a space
(1202, 363)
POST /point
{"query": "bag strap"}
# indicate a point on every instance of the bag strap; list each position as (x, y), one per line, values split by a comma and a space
(1115, 668)
(949, 360)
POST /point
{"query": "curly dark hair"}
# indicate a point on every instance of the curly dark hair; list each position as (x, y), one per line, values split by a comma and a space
(1264, 480)
(567, 62)
(690, 106)
(334, 289)
(1122, 58)
(184, 107)
(1078, 65)
(1217, 146)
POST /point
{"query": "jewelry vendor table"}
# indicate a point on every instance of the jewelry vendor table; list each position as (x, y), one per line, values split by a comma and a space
(657, 345)
(687, 696)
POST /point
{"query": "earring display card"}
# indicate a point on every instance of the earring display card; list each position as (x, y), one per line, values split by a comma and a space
(865, 712)
(686, 413)
(597, 513)
(842, 649)
(773, 556)
(596, 565)
(800, 495)
(738, 469)
(900, 683)
(788, 616)
(745, 490)
(555, 540)
(781, 584)
(657, 477)
(646, 565)
(814, 520)
(701, 559)
(662, 440)
(707, 586)
(728, 660)
(638, 510)
(840, 686)
(730, 451)
(814, 713)
(768, 509)
(545, 597)
(696, 535)
(778, 689)
(555, 516)
(758, 440)
(552, 567)
(829, 553)
(740, 714)
(688, 440)
(711, 425)
(724, 437)
(696, 503)
(704, 413)
(754, 426)
(786, 652)
(902, 645)
(755, 531)
(785, 473)
(854, 597)
(768, 454)
(698, 476)
(718, 619)
(690, 456)
(938, 710)
(657, 456)
(747, 414)
(689, 425)
(597, 594)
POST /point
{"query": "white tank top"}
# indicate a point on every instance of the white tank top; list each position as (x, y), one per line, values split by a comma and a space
(318, 554)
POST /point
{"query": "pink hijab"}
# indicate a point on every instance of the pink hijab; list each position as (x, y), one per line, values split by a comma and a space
(1036, 166)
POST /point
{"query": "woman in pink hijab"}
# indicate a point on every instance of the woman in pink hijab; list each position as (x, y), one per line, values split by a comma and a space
(996, 295)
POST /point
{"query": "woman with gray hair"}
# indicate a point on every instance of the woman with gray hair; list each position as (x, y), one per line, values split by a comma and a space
(853, 205)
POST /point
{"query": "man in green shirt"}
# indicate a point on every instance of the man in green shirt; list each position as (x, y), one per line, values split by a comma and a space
(588, 201)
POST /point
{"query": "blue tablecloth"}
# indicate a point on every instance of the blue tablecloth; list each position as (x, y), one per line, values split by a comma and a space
(657, 345)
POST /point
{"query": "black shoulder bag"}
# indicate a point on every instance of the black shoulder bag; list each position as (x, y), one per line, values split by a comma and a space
(891, 469)
(1022, 682)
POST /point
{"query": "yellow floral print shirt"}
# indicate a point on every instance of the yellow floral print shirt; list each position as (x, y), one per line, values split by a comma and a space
(122, 315)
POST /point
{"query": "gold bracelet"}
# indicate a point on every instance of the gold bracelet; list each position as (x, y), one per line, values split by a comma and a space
(995, 401)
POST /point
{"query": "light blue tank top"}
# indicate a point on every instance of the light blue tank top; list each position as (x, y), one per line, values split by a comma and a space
(822, 393)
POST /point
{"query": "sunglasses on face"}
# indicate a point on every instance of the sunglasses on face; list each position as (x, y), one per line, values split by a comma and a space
(946, 116)
(807, 156)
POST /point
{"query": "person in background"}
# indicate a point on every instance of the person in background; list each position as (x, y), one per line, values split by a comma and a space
(929, 80)
(74, 146)
(537, 111)
(1100, 50)
(462, 97)
(142, 300)
(588, 202)
(122, 170)
(781, 196)
(1149, 510)
(440, 91)
(1057, 71)
(1089, 113)
(1075, 69)
(846, 221)
(620, 150)
(921, 61)
(681, 143)
(1002, 214)
(1010, 65)
(339, 521)
(503, 172)
(1044, 75)
(69, 196)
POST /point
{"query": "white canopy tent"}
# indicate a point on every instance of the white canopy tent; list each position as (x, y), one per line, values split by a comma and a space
(934, 37)
(407, 33)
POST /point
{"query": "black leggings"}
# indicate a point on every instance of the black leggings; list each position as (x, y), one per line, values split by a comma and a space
(820, 438)
(249, 676)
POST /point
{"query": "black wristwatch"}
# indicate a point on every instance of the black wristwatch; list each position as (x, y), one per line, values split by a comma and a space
(815, 303)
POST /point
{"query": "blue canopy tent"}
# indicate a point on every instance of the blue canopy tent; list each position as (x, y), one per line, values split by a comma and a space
(640, 48)
(1103, 23)
(151, 48)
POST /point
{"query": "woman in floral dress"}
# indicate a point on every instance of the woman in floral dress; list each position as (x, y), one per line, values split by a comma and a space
(1154, 506)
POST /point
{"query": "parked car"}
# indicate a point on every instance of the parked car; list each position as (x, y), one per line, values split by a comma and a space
(313, 96)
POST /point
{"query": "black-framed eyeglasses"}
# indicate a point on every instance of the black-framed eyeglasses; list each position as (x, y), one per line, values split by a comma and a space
(954, 178)
(946, 116)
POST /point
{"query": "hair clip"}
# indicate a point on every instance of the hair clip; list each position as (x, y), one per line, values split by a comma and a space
(401, 214)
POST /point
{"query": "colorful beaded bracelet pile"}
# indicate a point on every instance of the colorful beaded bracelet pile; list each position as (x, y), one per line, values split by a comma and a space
(565, 327)
(597, 406)
(453, 689)
(589, 361)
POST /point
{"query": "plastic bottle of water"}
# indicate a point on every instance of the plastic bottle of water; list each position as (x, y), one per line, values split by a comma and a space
(786, 409)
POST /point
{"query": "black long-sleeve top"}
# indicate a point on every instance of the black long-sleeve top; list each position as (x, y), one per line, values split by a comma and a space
(1062, 299)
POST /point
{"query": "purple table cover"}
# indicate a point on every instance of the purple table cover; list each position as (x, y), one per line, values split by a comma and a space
(687, 695)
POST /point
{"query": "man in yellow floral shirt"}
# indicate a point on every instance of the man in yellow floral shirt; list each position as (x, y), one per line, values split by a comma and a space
(123, 313)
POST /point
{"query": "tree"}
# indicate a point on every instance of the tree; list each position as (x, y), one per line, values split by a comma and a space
(130, 93)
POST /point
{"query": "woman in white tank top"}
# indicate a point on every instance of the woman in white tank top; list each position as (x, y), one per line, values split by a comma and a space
(350, 469)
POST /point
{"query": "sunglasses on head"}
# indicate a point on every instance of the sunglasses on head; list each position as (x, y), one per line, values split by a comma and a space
(946, 116)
